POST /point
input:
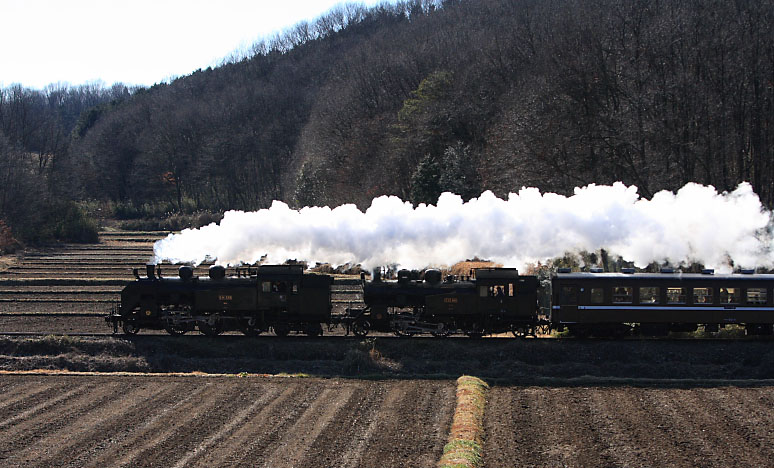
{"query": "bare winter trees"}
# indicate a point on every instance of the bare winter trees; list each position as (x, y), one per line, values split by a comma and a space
(416, 97)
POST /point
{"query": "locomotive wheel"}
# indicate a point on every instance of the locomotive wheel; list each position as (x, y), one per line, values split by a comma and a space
(281, 329)
(212, 327)
(524, 331)
(442, 332)
(361, 327)
(179, 329)
(173, 330)
(130, 328)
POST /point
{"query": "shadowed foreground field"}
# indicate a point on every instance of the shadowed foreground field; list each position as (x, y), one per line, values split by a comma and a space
(97, 421)
(629, 427)
(383, 402)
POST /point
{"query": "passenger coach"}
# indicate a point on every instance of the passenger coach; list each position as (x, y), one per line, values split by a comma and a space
(657, 303)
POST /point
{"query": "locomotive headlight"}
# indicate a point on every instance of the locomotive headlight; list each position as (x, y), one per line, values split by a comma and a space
(148, 312)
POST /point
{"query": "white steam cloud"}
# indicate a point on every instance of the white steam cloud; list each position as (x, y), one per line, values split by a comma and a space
(695, 224)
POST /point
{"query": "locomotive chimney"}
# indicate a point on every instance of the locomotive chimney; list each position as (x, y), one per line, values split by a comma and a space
(149, 271)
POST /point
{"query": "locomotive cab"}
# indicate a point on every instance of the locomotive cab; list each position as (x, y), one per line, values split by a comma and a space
(505, 300)
(290, 300)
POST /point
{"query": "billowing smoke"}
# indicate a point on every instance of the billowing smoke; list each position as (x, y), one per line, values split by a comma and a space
(695, 224)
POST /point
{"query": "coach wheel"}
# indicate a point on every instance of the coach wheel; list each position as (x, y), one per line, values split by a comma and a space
(130, 328)
(211, 327)
(281, 329)
(313, 329)
(250, 330)
(521, 331)
(361, 327)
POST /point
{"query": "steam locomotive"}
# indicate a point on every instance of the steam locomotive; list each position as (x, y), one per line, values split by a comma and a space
(285, 299)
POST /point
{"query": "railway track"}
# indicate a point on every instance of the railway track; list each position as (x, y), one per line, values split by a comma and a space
(339, 335)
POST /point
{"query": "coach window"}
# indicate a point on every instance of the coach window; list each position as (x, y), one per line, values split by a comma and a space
(293, 288)
(756, 295)
(569, 295)
(649, 295)
(597, 295)
(676, 295)
(623, 294)
(729, 295)
(702, 295)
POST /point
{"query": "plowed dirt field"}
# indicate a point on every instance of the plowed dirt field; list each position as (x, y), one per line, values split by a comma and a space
(137, 421)
(629, 427)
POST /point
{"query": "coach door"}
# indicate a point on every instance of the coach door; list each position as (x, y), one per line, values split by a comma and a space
(565, 307)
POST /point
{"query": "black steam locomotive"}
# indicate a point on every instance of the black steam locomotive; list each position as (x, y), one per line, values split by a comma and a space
(284, 299)
(280, 297)
(492, 300)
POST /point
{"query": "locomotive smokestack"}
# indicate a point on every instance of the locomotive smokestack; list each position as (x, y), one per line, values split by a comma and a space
(149, 270)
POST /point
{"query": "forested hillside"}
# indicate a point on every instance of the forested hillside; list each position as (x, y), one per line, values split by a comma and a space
(425, 96)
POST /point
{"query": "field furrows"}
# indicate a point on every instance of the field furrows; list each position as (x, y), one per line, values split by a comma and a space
(197, 421)
(536, 426)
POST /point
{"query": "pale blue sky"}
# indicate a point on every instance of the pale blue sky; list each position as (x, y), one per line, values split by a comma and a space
(138, 42)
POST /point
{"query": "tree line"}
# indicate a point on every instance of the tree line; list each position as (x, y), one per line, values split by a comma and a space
(418, 97)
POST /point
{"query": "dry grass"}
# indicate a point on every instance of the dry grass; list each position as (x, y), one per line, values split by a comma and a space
(463, 268)
(466, 440)
(7, 261)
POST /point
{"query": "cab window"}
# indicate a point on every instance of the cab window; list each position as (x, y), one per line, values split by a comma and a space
(497, 290)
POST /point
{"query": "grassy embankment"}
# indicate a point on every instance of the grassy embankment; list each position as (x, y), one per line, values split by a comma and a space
(466, 439)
